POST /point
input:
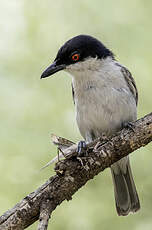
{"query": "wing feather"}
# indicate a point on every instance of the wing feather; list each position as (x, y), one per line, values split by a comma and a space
(130, 81)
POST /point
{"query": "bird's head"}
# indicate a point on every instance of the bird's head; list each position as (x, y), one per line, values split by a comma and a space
(80, 53)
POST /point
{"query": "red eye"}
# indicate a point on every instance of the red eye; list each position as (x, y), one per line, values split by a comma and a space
(75, 57)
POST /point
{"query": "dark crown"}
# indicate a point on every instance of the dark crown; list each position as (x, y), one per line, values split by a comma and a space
(86, 46)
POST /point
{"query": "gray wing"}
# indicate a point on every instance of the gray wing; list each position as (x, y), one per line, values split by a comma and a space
(130, 81)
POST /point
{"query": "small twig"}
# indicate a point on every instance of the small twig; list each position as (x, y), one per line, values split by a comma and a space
(61, 152)
(58, 154)
(45, 212)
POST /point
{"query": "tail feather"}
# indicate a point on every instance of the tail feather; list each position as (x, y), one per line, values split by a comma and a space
(135, 203)
(126, 196)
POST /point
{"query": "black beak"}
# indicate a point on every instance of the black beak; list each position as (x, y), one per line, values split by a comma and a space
(52, 69)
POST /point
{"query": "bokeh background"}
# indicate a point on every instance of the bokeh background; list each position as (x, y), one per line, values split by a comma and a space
(31, 33)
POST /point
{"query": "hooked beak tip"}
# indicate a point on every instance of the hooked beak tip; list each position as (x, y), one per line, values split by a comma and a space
(51, 70)
(43, 75)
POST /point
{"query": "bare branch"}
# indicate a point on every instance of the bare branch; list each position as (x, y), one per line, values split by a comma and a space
(72, 174)
(45, 212)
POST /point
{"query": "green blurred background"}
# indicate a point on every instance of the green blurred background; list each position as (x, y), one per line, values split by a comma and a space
(31, 33)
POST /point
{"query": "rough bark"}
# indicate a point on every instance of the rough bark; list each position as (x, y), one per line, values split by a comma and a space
(73, 173)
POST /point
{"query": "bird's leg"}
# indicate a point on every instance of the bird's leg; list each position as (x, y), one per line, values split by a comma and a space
(81, 149)
(128, 125)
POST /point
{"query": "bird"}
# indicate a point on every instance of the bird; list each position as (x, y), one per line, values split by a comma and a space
(105, 98)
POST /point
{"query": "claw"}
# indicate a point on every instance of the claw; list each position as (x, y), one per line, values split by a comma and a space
(81, 148)
(129, 125)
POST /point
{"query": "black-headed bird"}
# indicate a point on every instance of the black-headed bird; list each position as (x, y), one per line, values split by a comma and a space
(105, 98)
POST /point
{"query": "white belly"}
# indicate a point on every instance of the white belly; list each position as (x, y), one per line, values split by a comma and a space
(103, 110)
(103, 99)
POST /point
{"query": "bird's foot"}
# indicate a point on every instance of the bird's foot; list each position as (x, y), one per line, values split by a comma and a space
(129, 125)
(81, 149)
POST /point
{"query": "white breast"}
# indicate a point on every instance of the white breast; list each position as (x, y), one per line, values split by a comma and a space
(102, 98)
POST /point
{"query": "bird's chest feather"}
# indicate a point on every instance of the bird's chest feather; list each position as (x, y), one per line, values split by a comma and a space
(102, 105)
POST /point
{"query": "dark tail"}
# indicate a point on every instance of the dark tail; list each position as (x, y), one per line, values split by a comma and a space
(126, 196)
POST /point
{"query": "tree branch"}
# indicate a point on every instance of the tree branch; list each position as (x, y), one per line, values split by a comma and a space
(72, 174)
(45, 212)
